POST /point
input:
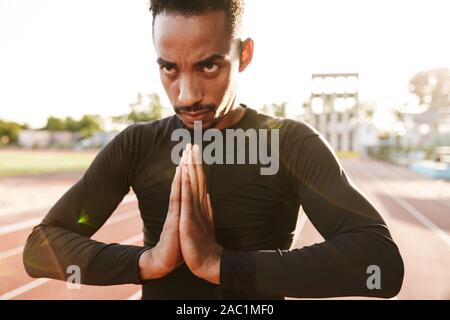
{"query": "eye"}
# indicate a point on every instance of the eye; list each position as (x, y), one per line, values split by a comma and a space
(169, 70)
(211, 68)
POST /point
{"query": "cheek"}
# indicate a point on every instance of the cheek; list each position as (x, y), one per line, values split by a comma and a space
(165, 83)
(232, 77)
(220, 86)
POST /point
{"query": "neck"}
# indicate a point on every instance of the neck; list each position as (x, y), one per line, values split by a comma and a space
(233, 116)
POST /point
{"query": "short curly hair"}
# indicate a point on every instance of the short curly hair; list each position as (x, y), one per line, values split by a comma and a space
(234, 10)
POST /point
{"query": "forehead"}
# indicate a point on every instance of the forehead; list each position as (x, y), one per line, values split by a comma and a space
(193, 37)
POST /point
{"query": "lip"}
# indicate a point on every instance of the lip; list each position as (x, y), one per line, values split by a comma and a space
(196, 116)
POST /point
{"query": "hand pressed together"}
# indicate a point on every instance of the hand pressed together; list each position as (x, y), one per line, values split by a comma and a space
(188, 233)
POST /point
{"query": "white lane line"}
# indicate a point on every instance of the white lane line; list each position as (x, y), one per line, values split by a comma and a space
(10, 228)
(27, 287)
(408, 207)
(422, 218)
(119, 218)
(11, 253)
(443, 202)
(39, 282)
(135, 296)
(433, 182)
(17, 211)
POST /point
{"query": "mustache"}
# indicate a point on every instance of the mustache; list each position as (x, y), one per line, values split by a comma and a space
(195, 108)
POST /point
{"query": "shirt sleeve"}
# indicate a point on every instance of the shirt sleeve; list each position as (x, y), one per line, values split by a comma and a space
(62, 239)
(356, 237)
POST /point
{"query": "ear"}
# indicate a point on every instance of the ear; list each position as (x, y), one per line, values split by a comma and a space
(247, 47)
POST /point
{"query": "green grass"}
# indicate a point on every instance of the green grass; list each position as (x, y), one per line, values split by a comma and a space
(24, 162)
(347, 154)
(31, 162)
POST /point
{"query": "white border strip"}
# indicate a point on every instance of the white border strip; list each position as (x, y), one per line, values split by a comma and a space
(119, 218)
(17, 211)
(10, 228)
(17, 226)
(25, 288)
(11, 253)
(39, 282)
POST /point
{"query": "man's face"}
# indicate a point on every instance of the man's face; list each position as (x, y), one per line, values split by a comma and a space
(199, 62)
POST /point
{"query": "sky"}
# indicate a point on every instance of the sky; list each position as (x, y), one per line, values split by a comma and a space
(69, 58)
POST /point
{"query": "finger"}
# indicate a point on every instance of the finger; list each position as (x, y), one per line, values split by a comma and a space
(201, 178)
(183, 158)
(188, 149)
(197, 155)
(193, 179)
(210, 210)
(175, 193)
(186, 195)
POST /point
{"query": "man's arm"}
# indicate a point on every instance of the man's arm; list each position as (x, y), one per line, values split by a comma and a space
(356, 237)
(63, 239)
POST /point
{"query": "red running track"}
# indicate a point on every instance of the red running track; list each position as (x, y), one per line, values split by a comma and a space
(416, 209)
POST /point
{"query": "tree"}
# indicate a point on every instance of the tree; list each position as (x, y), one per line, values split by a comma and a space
(89, 124)
(9, 132)
(86, 126)
(368, 109)
(142, 112)
(432, 87)
(55, 124)
(72, 125)
(277, 110)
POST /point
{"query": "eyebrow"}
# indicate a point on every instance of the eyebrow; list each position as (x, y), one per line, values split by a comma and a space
(211, 59)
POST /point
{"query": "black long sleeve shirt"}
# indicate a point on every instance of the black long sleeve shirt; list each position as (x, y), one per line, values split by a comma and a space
(255, 218)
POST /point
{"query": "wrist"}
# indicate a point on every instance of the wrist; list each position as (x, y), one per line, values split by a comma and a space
(210, 271)
(148, 266)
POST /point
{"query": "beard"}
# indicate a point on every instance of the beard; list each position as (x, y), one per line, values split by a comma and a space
(195, 108)
(205, 113)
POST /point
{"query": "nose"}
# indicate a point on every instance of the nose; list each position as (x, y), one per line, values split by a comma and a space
(189, 91)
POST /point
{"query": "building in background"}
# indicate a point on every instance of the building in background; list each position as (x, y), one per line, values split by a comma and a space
(97, 141)
(430, 128)
(46, 139)
(63, 139)
(333, 110)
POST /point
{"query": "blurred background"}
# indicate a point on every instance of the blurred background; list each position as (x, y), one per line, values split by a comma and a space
(372, 76)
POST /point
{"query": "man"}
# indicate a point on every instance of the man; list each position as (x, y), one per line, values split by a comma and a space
(216, 230)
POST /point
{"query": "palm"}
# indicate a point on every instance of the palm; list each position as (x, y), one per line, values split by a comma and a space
(197, 236)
